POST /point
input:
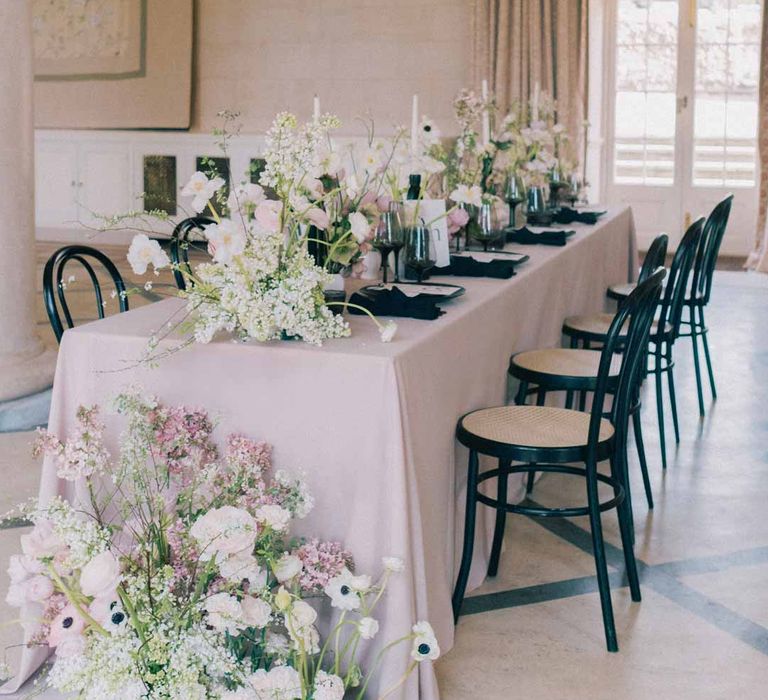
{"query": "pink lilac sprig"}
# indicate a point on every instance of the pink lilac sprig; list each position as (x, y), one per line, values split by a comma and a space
(246, 454)
(182, 438)
(53, 606)
(83, 454)
(321, 561)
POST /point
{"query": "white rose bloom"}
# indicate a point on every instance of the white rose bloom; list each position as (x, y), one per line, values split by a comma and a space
(274, 516)
(39, 588)
(227, 530)
(342, 593)
(224, 612)
(287, 567)
(393, 564)
(279, 683)
(299, 621)
(243, 565)
(425, 647)
(328, 687)
(255, 612)
(201, 189)
(21, 567)
(360, 226)
(101, 575)
(228, 239)
(144, 252)
(368, 627)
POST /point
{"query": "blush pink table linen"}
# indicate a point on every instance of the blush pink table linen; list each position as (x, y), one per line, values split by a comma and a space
(371, 424)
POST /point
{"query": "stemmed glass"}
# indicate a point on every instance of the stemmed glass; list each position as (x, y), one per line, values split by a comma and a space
(486, 231)
(419, 250)
(388, 238)
(396, 241)
(514, 195)
(574, 189)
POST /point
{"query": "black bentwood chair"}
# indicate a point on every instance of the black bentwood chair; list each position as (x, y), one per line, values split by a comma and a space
(550, 439)
(664, 331)
(701, 289)
(654, 258)
(53, 278)
(180, 244)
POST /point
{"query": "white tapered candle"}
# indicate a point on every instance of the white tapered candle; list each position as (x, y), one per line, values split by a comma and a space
(415, 125)
(486, 116)
(316, 109)
(535, 109)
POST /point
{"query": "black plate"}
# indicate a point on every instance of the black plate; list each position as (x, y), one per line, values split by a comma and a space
(456, 290)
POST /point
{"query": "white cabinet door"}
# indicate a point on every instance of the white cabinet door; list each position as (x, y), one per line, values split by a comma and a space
(105, 183)
(56, 184)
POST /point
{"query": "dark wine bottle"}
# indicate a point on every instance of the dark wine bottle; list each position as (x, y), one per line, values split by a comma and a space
(414, 186)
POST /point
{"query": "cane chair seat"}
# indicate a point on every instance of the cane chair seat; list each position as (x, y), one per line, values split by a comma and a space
(619, 292)
(539, 427)
(563, 362)
(596, 325)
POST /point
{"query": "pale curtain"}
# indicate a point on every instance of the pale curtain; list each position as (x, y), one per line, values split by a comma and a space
(758, 259)
(518, 43)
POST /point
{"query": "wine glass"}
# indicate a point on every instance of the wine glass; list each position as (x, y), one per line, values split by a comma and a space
(486, 230)
(395, 212)
(386, 238)
(419, 250)
(574, 189)
(514, 195)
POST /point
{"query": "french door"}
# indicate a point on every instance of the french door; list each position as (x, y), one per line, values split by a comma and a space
(682, 113)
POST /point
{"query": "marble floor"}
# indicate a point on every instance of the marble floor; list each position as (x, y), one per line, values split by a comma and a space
(701, 631)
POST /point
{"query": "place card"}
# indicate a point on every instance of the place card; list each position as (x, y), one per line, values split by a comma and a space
(413, 290)
(483, 257)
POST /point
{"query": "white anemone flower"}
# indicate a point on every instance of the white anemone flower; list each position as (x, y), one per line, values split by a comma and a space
(201, 189)
(425, 646)
(371, 160)
(368, 627)
(227, 239)
(245, 198)
(143, 252)
(343, 594)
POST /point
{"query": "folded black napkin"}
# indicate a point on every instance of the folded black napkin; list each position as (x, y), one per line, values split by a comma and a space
(566, 215)
(462, 266)
(392, 302)
(525, 236)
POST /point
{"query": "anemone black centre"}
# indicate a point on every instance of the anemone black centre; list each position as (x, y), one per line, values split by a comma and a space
(423, 649)
(117, 618)
(345, 590)
(67, 622)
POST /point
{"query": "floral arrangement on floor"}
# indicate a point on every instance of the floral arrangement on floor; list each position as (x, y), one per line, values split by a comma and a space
(179, 579)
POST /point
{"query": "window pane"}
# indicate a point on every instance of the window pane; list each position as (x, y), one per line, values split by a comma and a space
(725, 107)
(646, 80)
(160, 184)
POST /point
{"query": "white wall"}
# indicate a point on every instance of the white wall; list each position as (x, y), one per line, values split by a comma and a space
(260, 57)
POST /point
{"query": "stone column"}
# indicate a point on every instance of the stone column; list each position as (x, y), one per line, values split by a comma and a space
(26, 367)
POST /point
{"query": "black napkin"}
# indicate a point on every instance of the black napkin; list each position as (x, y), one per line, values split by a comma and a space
(392, 302)
(525, 236)
(566, 215)
(463, 266)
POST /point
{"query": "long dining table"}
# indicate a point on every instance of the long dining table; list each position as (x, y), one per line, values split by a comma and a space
(370, 424)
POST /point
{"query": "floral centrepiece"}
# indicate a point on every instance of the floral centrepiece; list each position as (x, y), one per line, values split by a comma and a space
(179, 577)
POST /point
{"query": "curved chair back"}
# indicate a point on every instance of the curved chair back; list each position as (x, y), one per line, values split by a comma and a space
(709, 247)
(179, 247)
(655, 257)
(636, 315)
(673, 298)
(53, 278)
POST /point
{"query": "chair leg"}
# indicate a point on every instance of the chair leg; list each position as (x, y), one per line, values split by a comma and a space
(637, 426)
(696, 367)
(569, 394)
(469, 535)
(624, 512)
(660, 409)
(583, 394)
(601, 566)
(706, 353)
(541, 397)
(521, 393)
(501, 519)
(672, 398)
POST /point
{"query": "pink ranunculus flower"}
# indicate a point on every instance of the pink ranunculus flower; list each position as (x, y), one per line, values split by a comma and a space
(101, 575)
(39, 588)
(317, 217)
(66, 626)
(267, 215)
(42, 541)
(368, 198)
(383, 202)
(457, 220)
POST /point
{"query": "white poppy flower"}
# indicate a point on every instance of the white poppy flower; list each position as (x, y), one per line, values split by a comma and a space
(201, 189)
(228, 240)
(360, 226)
(393, 564)
(100, 575)
(341, 591)
(425, 646)
(464, 194)
(368, 627)
(371, 160)
(245, 198)
(144, 252)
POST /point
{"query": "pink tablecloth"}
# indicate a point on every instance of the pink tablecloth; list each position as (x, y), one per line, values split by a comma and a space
(371, 424)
